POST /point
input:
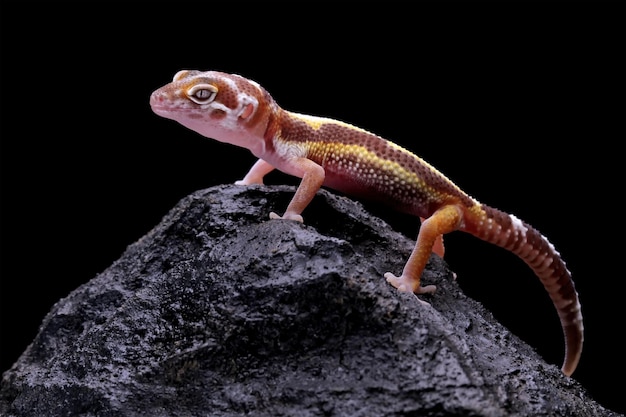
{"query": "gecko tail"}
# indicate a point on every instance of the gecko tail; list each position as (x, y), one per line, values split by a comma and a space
(509, 232)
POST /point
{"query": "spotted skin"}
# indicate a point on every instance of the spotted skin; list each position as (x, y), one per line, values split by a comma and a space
(326, 152)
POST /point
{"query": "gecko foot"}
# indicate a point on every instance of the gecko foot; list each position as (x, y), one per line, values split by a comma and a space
(405, 284)
(250, 181)
(287, 216)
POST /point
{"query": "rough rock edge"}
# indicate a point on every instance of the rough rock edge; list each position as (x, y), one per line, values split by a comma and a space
(217, 311)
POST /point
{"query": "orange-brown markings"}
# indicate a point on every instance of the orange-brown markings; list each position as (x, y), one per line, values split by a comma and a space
(228, 94)
(225, 94)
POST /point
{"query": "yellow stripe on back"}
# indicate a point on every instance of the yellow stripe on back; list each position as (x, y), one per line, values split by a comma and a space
(358, 161)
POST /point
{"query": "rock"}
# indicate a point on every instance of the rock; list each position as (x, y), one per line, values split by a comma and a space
(220, 312)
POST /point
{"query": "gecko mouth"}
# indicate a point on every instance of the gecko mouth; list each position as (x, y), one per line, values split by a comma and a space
(160, 110)
(165, 110)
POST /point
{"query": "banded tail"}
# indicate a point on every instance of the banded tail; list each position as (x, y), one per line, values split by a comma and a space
(507, 231)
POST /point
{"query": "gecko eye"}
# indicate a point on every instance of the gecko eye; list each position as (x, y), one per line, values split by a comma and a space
(202, 93)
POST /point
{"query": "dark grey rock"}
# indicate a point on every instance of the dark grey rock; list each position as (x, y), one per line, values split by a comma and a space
(220, 312)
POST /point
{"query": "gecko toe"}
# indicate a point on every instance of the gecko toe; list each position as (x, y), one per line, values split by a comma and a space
(406, 284)
(286, 216)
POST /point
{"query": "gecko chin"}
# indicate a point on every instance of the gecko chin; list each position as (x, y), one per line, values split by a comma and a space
(161, 111)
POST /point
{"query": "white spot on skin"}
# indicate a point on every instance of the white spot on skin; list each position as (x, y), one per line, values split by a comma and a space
(257, 85)
(231, 121)
(518, 225)
(231, 84)
(288, 150)
(579, 316)
(244, 100)
(562, 303)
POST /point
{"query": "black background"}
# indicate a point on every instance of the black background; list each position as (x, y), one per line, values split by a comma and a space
(521, 104)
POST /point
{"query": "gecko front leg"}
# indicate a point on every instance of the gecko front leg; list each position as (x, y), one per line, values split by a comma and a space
(255, 176)
(312, 175)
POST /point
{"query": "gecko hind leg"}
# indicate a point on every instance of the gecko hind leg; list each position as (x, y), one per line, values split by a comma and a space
(444, 220)
(438, 247)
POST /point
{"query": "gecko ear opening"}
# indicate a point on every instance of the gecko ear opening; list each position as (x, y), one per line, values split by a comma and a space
(247, 111)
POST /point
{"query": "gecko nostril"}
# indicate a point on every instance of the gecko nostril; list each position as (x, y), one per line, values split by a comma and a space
(156, 98)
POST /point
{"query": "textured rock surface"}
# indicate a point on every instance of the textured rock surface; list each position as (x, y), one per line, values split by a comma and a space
(220, 312)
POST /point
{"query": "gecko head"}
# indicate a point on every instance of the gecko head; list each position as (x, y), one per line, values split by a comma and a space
(221, 106)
